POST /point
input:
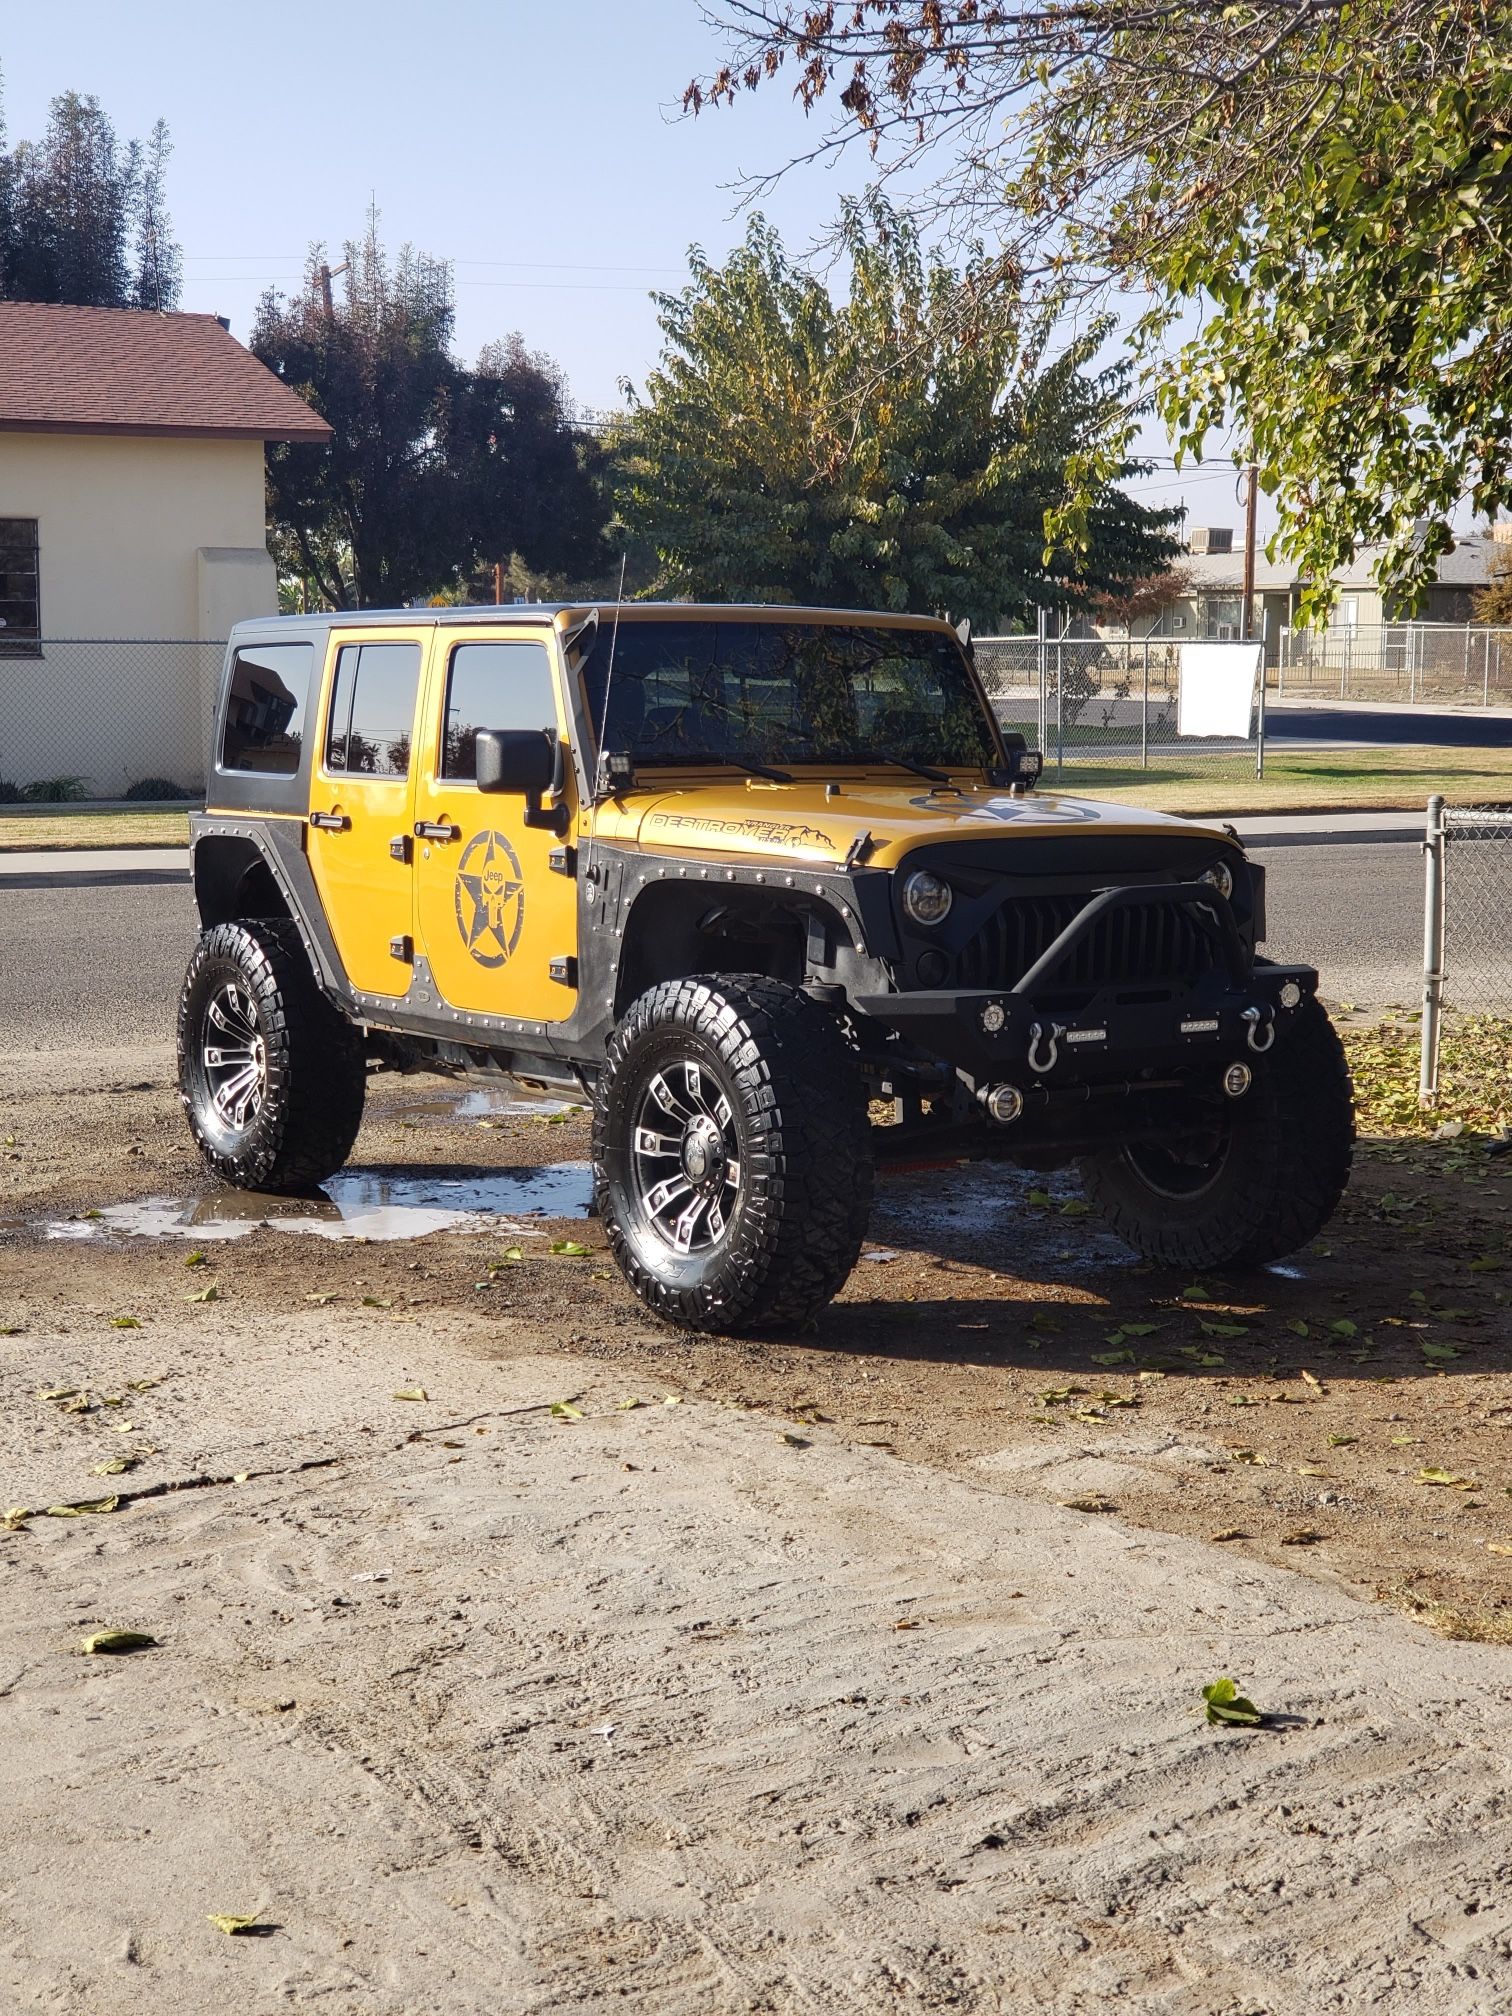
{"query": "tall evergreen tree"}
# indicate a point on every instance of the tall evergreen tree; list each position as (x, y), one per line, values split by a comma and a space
(432, 468)
(76, 206)
(897, 450)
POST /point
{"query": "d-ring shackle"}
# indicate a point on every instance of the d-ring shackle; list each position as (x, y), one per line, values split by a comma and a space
(1040, 1064)
(1255, 1030)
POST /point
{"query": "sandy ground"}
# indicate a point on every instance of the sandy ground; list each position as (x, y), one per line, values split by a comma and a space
(804, 1692)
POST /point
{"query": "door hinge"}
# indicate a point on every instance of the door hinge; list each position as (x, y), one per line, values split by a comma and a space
(565, 970)
(562, 860)
(402, 948)
(399, 847)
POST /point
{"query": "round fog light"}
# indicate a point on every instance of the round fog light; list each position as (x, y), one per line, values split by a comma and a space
(1237, 1080)
(1005, 1103)
(994, 1015)
(1220, 877)
(1291, 994)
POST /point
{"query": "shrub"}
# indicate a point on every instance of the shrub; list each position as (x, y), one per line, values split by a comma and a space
(158, 787)
(55, 791)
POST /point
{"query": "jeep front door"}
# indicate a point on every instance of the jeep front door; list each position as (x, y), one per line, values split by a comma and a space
(495, 915)
(360, 799)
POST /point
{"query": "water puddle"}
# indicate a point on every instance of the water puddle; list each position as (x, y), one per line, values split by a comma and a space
(997, 1216)
(356, 1205)
(483, 1106)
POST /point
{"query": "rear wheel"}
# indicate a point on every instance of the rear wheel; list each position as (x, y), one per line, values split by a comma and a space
(1270, 1181)
(732, 1153)
(271, 1077)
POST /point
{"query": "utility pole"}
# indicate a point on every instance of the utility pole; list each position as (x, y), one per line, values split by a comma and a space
(327, 275)
(1246, 610)
(498, 581)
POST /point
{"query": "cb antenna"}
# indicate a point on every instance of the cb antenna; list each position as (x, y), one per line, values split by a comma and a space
(614, 773)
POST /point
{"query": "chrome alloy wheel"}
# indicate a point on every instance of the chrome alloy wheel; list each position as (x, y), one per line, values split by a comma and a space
(235, 1056)
(686, 1157)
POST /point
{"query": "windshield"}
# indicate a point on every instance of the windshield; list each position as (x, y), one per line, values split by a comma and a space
(752, 692)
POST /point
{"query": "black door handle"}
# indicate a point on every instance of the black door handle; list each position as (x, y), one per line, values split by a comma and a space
(435, 829)
(330, 822)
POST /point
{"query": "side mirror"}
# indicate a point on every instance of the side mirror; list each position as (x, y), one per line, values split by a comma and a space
(523, 762)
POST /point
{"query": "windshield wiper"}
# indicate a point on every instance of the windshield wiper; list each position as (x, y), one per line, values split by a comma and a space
(918, 769)
(746, 763)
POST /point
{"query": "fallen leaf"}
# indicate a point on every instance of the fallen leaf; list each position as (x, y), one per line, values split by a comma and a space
(1497, 1547)
(142, 1385)
(125, 1323)
(1112, 1357)
(1304, 1536)
(118, 1641)
(195, 1260)
(58, 1393)
(1227, 1707)
(1094, 1502)
(114, 1467)
(209, 1293)
(625, 1406)
(907, 1623)
(569, 1249)
(15, 1518)
(1311, 1379)
(1223, 1329)
(1196, 1292)
(1298, 1328)
(1228, 1533)
(223, 1921)
(412, 1393)
(321, 1300)
(563, 1410)
(1447, 1479)
(1343, 1327)
(377, 1302)
(1342, 1441)
(84, 1505)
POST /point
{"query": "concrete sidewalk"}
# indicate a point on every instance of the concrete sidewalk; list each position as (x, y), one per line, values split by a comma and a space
(79, 868)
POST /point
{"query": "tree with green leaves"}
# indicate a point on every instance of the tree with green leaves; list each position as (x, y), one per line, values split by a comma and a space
(1326, 184)
(792, 448)
(432, 469)
(83, 218)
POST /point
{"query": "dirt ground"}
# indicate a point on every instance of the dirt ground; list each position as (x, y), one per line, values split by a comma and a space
(899, 1625)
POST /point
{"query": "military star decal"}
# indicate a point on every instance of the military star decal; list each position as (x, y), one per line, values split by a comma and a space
(490, 898)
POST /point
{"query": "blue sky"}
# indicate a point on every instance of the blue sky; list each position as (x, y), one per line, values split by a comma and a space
(540, 147)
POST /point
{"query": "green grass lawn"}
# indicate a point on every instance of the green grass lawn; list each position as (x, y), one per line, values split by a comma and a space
(77, 826)
(1298, 780)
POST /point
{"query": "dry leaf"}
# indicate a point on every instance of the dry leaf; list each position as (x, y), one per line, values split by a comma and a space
(223, 1921)
(118, 1641)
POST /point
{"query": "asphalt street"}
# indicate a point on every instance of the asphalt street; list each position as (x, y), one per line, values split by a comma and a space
(101, 963)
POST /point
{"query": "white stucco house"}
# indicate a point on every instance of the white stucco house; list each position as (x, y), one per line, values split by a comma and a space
(132, 527)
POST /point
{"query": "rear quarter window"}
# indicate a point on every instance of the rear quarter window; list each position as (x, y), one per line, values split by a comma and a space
(266, 700)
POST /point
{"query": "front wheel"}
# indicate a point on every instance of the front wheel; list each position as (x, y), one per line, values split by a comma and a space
(732, 1158)
(271, 1077)
(1269, 1185)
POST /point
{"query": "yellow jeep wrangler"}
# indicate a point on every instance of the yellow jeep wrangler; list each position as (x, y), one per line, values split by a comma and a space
(773, 890)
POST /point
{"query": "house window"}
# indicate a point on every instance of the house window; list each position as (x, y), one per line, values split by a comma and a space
(373, 709)
(1221, 615)
(1349, 611)
(20, 608)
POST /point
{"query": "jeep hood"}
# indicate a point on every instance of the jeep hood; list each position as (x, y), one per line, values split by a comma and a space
(741, 818)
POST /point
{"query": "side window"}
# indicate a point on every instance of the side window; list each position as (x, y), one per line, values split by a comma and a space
(265, 708)
(493, 686)
(373, 709)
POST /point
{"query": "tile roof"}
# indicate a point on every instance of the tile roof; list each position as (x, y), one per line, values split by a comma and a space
(125, 371)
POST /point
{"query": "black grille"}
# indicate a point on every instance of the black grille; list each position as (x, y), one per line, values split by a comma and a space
(1138, 945)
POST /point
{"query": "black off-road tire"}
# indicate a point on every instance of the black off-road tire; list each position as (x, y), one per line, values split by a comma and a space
(1285, 1159)
(312, 1063)
(798, 1124)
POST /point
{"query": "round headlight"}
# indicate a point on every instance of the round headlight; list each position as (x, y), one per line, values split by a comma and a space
(1220, 876)
(927, 898)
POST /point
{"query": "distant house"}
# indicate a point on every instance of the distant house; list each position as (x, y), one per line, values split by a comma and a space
(1213, 567)
(132, 506)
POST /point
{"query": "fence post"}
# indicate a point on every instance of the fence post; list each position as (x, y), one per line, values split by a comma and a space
(1144, 712)
(1486, 674)
(1433, 951)
(1260, 705)
(1060, 702)
(1465, 674)
(1041, 666)
(1411, 662)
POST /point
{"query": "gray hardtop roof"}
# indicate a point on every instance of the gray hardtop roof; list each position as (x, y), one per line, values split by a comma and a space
(546, 613)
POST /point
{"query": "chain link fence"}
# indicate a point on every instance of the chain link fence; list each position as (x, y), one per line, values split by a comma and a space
(1109, 703)
(1470, 663)
(1467, 920)
(89, 717)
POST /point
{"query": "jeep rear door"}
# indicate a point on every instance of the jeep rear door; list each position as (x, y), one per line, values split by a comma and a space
(361, 795)
(496, 917)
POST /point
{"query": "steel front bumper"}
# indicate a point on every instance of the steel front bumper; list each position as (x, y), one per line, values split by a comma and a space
(1128, 1030)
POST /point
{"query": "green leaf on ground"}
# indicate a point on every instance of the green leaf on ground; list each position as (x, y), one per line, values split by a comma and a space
(84, 1505)
(1447, 1478)
(563, 1410)
(412, 1393)
(569, 1249)
(209, 1293)
(125, 1323)
(195, 1260)
(118, 1641)
(1228, 1708)
(223, 1921)
(1112, 1357)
